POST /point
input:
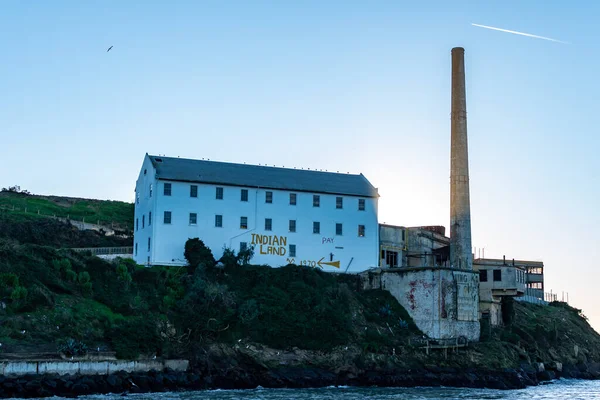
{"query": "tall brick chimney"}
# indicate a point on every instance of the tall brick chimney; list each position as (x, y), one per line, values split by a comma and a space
(461, 256)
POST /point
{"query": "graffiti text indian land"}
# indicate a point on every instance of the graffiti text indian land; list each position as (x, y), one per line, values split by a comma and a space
(270, 244)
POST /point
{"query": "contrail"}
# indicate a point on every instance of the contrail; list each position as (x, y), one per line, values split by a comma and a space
(520, 33)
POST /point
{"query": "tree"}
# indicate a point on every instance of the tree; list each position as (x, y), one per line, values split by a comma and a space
(244, 256)
(197, 253)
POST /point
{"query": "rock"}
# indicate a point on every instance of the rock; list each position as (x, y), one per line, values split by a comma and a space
(80, 389)
(555, 366)
(546, 375)
(115, 383)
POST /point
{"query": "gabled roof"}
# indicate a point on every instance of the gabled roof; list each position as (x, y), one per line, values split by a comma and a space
(222, 173)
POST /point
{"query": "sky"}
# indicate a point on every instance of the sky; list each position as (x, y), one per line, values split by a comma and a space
(351, 86)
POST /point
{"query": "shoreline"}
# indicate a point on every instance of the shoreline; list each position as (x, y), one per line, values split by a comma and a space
(47, 385)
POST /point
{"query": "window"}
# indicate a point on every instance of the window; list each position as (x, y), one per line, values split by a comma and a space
(535, 285)
(316, 227)
(244, 195)
(268, 224)
(219, 193)
(193, 190)
(292, 225)
(316, 200)
(148, 244)
(292, 250)
(137, 198)
(390, 257)
(143, 221)
(268, 197)
(338, 229)
(243, 222)
(361, 230)
(137, 224)
(136, 249)
(150, 190)
(150, 218)
(167, 217)
(167, 189)
(218, 221)
(145, 171)
(292, 199)
(483, 275)
(497, 275)
(193, 218)
(534, 270)
(361, 204)
(339, 202)
(243, 246)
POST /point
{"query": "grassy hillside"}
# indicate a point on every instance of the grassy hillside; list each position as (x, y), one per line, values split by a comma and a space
(539, 333)
(21, 222)
(110, 213)
(34, 229)
(53, 295)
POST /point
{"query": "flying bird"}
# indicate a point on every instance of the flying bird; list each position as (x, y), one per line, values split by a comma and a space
(109, 49)
(519, 33)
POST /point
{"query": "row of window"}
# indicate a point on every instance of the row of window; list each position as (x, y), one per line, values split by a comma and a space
(497, 275)
(193, 220)
(339, 201)
(483, 275)
(137, 221)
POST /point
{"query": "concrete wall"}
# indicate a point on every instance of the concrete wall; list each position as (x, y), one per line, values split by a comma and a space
(338, 250)
(442, 302)
(88, 367)
(110, 257)
(491, 305)
(512, 281)
(420, 244)
(392, 238)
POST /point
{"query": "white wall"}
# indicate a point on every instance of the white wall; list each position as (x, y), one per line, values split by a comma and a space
(142, 230)
(168, 240)
(88, 367)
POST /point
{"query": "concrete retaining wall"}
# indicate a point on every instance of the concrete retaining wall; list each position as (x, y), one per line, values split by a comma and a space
(88, 367)
(442, 302)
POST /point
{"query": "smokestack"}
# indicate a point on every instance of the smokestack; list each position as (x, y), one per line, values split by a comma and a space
(460, 208)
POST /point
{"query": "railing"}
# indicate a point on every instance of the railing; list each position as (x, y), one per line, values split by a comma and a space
(439, 344)
(106, 251)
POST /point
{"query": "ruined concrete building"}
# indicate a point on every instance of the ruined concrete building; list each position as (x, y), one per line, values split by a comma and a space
(437, 284)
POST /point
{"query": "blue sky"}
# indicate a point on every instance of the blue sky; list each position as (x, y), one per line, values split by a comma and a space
(339, 85)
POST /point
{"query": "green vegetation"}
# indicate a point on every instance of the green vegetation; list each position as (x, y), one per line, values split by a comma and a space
(536, 333)
(109, 213)
(55, 299)
(27, 218)
(31, 228)
(74, 301)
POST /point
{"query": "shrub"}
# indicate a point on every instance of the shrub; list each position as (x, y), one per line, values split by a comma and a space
(244, 256)
(135, 336)
(196, 253)
(72, 347)
(228, 258)
(123, 275)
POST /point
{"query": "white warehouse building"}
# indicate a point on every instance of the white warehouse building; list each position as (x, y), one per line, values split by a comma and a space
(303, 217)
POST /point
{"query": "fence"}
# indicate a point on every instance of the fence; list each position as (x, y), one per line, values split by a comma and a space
(534, 296)
(106, 251)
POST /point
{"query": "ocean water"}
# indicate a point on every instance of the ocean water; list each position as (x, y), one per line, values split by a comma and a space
(562, 389)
